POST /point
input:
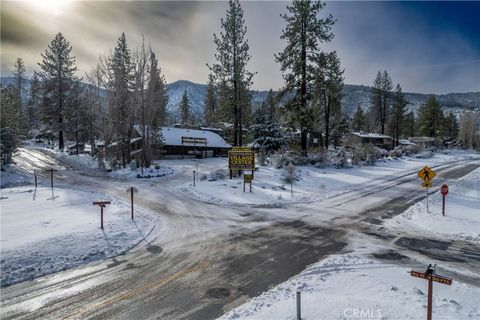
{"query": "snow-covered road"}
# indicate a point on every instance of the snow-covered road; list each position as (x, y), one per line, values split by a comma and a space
(206, 258)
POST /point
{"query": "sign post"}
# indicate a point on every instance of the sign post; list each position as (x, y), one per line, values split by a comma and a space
(101, 204)
(291, 169)
(35, 175)
(51, 175)
(247, 178)
(426, 174)
(132, 190)
(444, 191)
(431, 276)
(194, 178)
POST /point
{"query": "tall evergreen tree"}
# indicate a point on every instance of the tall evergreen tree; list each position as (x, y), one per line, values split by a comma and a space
(270, 106)
(359, 120)
(398, 115)
(58, 74)
(34, 101)
(380, 99)
(10, 135)
(210, 102)
(230, 69)
(431, 118)
(328, 89)
(19, 74)
(76, 116)
(185, 109)
(155, 110)
(304, 33)
(267, 132)
(451, 126)
(410, 124)
(121, 84)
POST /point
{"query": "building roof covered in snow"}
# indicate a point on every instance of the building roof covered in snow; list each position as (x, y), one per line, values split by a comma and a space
(173, 137)
(370, 135)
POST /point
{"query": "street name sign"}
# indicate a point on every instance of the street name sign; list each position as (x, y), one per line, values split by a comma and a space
(433, 277)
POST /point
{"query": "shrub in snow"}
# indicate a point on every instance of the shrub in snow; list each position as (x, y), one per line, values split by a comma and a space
(281, 160)
(424, 155)
(340, 159)
(219, 174)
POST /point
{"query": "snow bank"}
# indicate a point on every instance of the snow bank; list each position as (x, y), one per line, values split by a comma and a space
(14, 176)
(462, 220)
(44, 232)
(353, 286)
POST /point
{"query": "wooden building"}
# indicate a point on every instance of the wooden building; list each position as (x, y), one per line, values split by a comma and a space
(360, 139)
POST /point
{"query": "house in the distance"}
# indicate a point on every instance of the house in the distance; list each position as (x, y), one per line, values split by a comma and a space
(183, 143)
(423, 141)
(360, 139)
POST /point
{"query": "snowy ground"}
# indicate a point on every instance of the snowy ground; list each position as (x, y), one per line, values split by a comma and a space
(44, 232)
(462, 220)
(312, 183)
(356, 286)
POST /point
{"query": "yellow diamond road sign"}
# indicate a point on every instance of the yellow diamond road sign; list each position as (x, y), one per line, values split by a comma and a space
(426, 174)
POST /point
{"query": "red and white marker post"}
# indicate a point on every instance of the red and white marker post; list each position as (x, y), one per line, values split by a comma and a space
(444, 191)
(101, 204)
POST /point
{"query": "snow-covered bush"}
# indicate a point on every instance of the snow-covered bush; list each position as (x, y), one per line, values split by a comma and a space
(282, 160)
(219, 174)
(424, 155)
(339, 159)
(405, 150)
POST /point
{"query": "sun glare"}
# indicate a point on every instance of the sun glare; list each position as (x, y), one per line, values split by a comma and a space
(55, 7)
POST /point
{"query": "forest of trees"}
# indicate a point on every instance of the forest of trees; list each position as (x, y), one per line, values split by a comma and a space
(125, 93)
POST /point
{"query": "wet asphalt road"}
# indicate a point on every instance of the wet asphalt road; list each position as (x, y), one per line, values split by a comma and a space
(203, 277)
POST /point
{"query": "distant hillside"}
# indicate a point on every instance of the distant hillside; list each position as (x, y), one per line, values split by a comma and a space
(353, 96)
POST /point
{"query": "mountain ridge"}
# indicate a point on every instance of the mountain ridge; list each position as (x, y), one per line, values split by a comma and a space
(353, 96)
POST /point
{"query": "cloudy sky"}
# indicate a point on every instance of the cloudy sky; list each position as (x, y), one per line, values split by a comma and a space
(428, 47)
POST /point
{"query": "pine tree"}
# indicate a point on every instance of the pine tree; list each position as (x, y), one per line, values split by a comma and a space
(10, 135)
(155, 110)
(270, 106)
(230, 70)
(410, 124)
(359, 120)
(451, 126)
(328, 89)
(398, 115)
(431, 118)
(210, 102)
(20, 79)
(76, 116)
(185, 109)
(121, 84)
(267, 132)
(304, 33)
(99, 125)
(34, 101)
(58, 74)
(380, 99)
